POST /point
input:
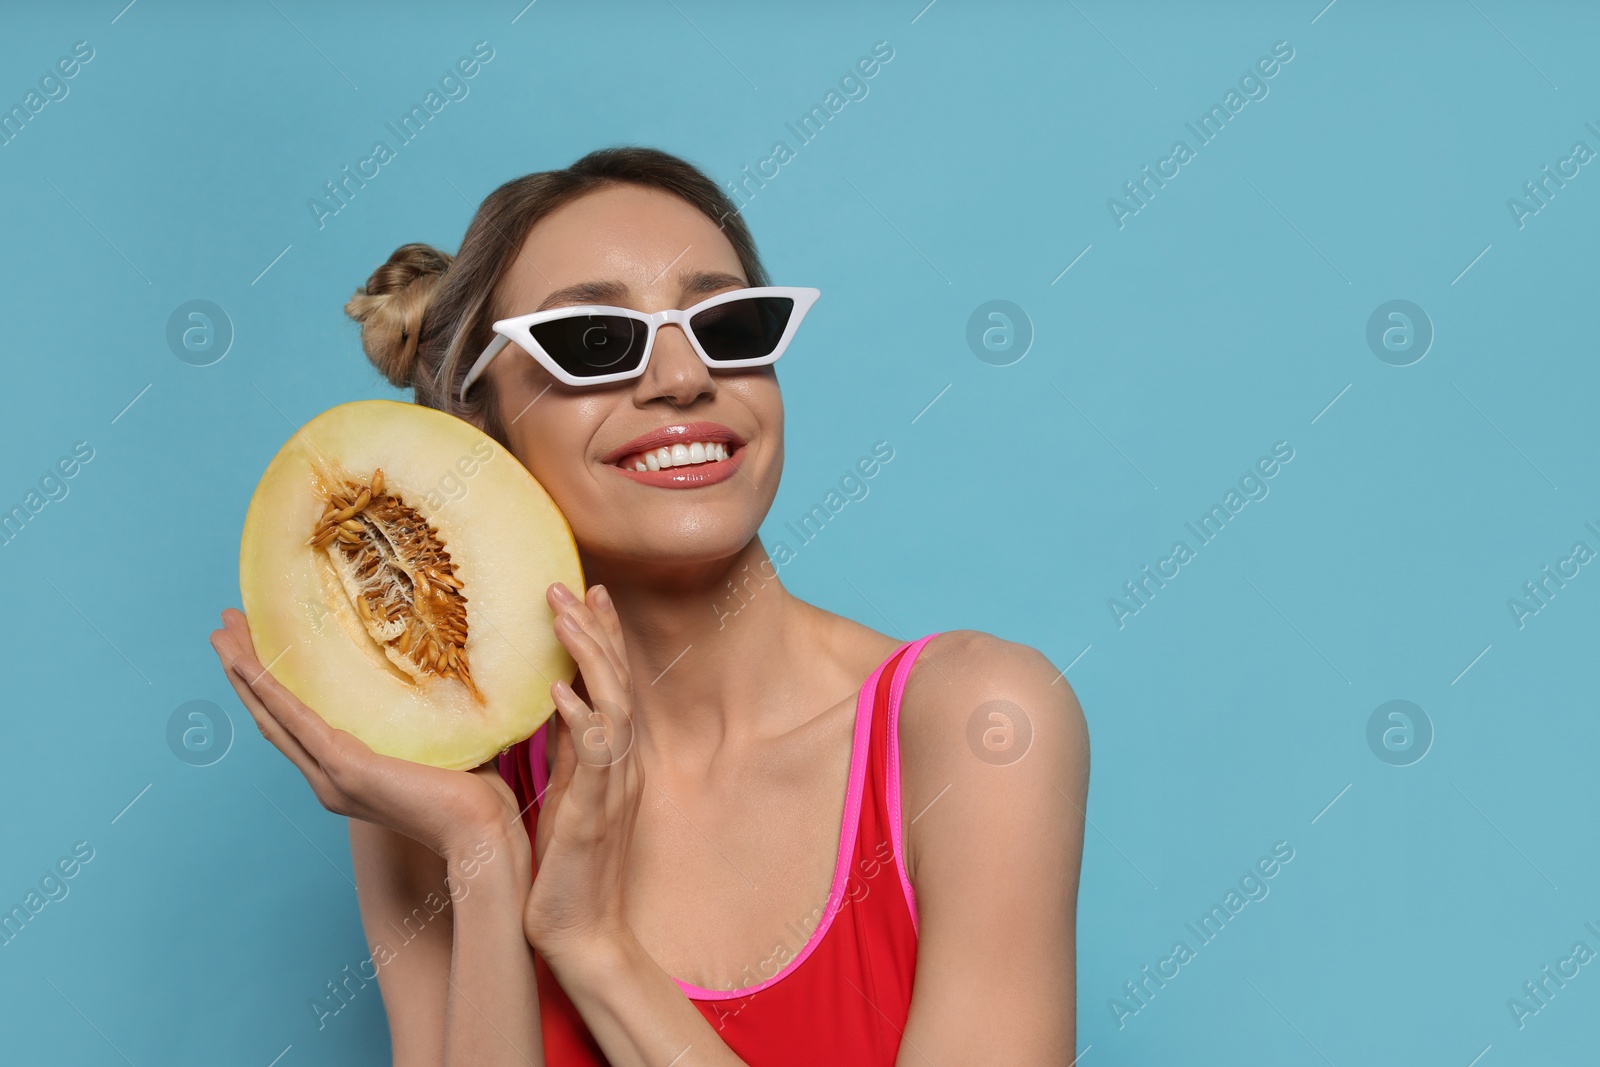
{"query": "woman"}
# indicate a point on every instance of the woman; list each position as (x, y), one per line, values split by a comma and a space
(774, 823)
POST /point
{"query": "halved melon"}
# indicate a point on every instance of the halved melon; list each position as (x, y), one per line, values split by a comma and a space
(393, 570)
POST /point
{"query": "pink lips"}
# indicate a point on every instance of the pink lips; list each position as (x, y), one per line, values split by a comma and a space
(681, 477)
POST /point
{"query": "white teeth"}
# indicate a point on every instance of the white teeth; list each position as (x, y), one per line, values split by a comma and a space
(678, 455)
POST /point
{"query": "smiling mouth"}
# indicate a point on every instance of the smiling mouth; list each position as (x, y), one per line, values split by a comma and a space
(668, 457)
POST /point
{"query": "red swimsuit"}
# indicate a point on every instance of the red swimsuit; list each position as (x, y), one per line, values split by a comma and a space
(839, 993)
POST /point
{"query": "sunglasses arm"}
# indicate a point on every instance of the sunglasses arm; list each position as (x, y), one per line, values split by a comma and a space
(500, 341)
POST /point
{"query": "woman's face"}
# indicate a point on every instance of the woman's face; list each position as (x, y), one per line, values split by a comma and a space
(645, 249)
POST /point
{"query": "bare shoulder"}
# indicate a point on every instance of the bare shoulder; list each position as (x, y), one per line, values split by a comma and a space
(982, 715)
(967, 676)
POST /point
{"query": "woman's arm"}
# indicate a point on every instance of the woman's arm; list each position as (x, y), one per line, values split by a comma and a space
(394, 876)
(995, 771)
(574, 914)
(454, 969)
(492, 1014)
(482, 862)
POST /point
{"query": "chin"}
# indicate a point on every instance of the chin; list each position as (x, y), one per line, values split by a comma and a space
(692, 539)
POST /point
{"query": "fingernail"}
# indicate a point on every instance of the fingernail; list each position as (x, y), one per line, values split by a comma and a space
(564, 594)
(601, 597)
(570, 621)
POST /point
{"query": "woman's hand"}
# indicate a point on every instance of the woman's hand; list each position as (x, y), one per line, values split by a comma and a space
(448, 811)
(586, 819)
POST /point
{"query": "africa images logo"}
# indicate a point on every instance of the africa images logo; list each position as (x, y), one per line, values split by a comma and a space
(1252, 87)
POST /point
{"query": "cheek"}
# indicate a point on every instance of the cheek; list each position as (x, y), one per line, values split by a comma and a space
(771, 422)
(774, 451)
(551, 465)
(759, 395)
(551, 436)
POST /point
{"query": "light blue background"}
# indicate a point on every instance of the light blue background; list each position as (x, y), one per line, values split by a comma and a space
(1226, 316)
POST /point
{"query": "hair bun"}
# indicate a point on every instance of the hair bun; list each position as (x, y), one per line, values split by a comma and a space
(391, 306)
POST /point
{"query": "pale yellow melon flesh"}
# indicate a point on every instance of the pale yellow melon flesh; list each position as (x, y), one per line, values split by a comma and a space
(503, 540)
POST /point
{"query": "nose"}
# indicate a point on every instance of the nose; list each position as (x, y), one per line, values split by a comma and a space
(675, 371)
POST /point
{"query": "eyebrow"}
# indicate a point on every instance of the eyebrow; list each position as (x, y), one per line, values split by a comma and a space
(693, 283)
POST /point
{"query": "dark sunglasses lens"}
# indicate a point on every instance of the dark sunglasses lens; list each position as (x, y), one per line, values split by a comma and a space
(587, 346)
(743, 329)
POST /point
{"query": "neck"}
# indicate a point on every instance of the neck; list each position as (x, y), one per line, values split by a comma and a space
(709, 647)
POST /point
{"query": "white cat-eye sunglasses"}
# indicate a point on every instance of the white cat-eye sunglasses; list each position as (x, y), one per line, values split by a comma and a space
(592, 344)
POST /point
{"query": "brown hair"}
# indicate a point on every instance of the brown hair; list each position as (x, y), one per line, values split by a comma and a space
(425, 314)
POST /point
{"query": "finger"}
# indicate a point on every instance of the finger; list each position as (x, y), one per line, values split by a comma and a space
(270, 727)
(588, 736)
(587, 796)
(590, 624)
(336, 754)
(604, 687)
(605, 773)
(237, 668)
(608, 704)
(604, 612)
(558, 739)
(308, 728)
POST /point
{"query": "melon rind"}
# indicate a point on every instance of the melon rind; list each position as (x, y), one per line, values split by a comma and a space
(507, 540)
